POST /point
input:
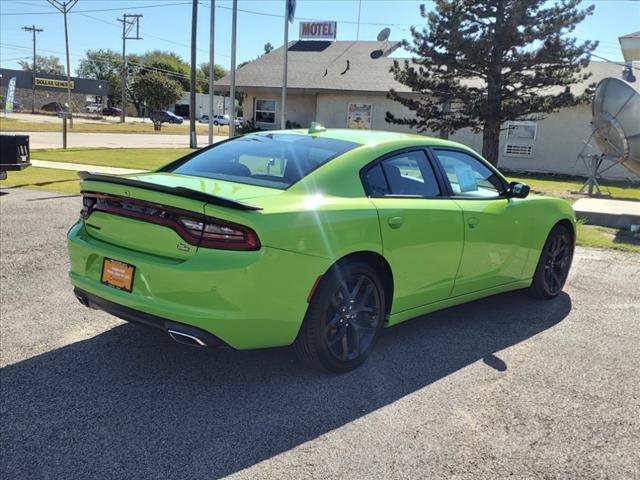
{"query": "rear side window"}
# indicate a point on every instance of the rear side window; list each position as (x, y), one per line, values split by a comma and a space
(468, 176)
(406, 174)
(268, 160)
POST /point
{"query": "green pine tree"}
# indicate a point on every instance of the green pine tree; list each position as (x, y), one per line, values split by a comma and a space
(479, 64)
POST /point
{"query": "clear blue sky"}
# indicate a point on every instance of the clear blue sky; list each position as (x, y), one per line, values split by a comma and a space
(166, 25)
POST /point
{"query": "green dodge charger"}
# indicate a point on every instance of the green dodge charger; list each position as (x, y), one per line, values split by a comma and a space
(315, 238)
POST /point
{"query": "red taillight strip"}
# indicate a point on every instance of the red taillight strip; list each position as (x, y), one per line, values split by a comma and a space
(251, 241)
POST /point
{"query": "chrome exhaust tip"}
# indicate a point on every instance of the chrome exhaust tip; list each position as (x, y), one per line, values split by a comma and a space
(186, 339)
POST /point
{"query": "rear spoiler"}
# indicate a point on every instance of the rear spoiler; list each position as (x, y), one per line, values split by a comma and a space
(177, 191)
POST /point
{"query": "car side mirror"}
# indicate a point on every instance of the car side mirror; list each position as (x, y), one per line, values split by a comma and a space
(518, 190)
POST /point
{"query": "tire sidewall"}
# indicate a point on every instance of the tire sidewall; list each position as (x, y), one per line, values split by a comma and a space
(319, 308)
(540, 283)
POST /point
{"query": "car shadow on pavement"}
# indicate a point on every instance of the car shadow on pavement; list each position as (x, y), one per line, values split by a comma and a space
(128, 403)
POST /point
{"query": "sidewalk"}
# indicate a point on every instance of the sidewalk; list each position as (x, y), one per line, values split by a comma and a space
(608, 212)
(83, 167)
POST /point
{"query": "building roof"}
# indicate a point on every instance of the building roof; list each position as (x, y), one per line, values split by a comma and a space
(323, 65)
(353, 66)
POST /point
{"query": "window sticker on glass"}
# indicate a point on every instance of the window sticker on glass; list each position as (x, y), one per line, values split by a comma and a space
(466, 178)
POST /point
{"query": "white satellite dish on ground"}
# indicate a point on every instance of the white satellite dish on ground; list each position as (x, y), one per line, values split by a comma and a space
(615, 129)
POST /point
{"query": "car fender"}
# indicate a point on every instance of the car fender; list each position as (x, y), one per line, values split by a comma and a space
(542, 214)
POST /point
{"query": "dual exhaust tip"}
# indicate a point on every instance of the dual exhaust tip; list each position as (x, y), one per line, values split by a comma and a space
(186, 339)
(174, 330)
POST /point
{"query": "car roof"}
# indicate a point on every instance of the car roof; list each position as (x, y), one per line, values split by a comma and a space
(368, 137)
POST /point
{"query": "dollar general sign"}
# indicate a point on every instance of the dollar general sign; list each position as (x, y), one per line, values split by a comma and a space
(50, 82)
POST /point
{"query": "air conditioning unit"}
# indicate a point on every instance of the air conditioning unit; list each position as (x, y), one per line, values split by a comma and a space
(512, 150)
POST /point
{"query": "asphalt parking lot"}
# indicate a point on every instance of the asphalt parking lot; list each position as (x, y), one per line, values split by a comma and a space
(502, 387)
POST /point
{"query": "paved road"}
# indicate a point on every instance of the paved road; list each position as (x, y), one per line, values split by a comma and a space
(76, 167)
(505, 387)
(112, 140)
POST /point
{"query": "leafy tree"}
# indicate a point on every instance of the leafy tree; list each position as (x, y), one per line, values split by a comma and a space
(44, 64)
(491, 62)
(169, 63)
(157, 91)
(268, 47)
(203, 75)
(104, 64)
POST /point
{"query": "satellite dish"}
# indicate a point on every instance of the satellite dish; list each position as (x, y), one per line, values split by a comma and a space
(615, 129)
(616, 122)
(383, 36)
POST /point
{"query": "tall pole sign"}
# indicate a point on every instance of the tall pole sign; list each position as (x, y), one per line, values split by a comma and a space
(289, 13)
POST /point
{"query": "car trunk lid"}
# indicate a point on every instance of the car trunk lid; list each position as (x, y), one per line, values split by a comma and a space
(160, 213)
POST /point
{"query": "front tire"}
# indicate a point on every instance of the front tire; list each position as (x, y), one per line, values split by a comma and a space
(554, 264)
(344, 318)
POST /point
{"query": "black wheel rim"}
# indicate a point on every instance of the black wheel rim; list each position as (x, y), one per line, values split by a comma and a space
(557, 262)
(353, 318)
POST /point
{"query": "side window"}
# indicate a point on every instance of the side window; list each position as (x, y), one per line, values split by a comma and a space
(408, 173)
(375, 181)
(468, 176)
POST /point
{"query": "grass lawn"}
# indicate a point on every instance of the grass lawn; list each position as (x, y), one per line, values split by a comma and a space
(137, 158)
(566, 187)
(48, 179)
(604, 237)
(11, 124)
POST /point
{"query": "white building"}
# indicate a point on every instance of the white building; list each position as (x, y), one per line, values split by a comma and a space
(221, 104)
(344, 84)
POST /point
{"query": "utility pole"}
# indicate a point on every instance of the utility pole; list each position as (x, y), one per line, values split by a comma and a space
(212, 39)
(34, 30)
(232, 87)
(193, 141)
(128, 22)
(64, 8)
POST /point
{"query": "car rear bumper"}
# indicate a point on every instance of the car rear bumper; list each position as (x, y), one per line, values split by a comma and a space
(248, 300)
(146, 319)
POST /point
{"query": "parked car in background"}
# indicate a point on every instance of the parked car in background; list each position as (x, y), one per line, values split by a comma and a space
(93, 107)
(111, 112)
(54, 107)
(169, 117)
(204, 119)
(317, 238)
(221, 120)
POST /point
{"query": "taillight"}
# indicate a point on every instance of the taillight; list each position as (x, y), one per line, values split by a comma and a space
(216, 233)
(195, 229)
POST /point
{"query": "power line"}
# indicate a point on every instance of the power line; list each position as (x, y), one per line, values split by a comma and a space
(96, 9)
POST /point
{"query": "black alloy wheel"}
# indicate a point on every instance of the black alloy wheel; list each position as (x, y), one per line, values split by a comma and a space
(555, 262)
(345, 317)
(353, 317)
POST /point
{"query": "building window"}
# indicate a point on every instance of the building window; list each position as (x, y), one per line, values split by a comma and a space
(522, 130)
(266, 111)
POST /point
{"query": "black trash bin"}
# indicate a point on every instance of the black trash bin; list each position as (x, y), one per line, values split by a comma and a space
(14, 153)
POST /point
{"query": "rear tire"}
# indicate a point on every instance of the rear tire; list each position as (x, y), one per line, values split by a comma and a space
(344, 318)
(554, 264)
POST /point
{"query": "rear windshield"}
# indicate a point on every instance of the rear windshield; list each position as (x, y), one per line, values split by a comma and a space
(276, 160)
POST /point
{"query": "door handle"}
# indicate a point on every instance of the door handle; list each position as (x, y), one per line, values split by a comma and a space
(472, 222)
(395, 222)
